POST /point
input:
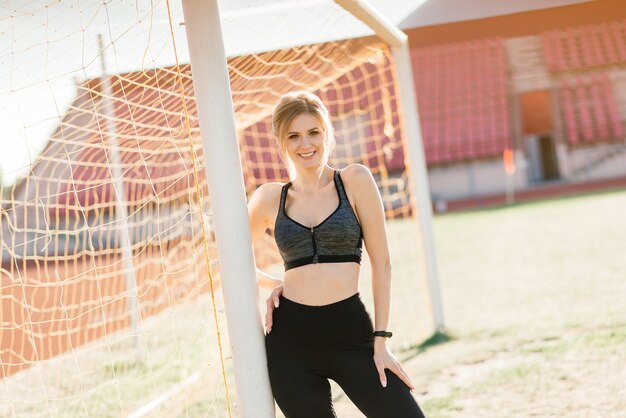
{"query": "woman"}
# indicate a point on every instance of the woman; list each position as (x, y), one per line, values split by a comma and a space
(317, 327)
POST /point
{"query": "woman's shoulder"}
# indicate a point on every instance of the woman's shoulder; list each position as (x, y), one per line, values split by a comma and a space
(356, 174)
(358, 181)
(269, 191)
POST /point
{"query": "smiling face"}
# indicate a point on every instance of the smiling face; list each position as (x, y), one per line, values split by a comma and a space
(305, 141)
(304, 134)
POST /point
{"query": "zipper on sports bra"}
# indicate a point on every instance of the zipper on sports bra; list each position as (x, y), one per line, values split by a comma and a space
(314, 246)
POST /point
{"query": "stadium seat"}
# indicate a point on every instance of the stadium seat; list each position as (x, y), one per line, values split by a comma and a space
(608, 43)
(567, 101)
(606, 89)
(618, 37)
(588, 58)
(599, 110)
(582, 103)
(586, 46)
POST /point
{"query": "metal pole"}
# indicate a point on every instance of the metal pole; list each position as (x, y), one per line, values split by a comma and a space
(121, 214)
(228, 200)
(418, 173)
(384, 29)
(419, 176)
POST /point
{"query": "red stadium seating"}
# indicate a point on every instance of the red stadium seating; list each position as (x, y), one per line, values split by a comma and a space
(605, 35)
(588, 56)
(567, 101)
(572, 53)
(607, 93)
(617, 30)
(585, 46)
(462, 94)
(598, 110)
(582, 103)
(590, 110)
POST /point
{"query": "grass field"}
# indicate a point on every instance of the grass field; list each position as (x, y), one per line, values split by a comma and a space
(535, 300)
(535, 304)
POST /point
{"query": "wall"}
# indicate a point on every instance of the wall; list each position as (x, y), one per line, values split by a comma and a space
(476, 178)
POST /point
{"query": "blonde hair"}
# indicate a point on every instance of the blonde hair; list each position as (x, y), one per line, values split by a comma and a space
(288, 107)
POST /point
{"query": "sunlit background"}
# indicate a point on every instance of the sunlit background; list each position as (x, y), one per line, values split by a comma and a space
(522, 108)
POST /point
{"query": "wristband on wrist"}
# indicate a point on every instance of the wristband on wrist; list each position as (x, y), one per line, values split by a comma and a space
(385, 334)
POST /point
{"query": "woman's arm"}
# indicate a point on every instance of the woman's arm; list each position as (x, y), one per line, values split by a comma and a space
(261, 209)
(369, 208)
(371, 214)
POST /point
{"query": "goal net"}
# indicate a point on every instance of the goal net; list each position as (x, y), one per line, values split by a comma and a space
(110, 285)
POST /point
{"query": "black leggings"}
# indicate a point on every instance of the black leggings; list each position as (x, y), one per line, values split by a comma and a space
(310, 344)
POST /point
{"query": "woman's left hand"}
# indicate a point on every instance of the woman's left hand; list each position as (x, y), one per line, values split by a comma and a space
(384, 359)
(272, 302)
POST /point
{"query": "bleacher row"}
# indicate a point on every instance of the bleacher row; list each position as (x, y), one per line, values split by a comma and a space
(463, 100)
(585, 46)
(590, 109)
(463, 91)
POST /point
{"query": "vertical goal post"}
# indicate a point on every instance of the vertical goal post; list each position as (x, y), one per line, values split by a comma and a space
(121, 214)
(225, 179)
(418, 173)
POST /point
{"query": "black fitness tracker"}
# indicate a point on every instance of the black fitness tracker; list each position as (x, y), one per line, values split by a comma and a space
(385, 334)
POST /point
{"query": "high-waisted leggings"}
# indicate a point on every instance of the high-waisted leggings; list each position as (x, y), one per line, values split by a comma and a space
(310, 344)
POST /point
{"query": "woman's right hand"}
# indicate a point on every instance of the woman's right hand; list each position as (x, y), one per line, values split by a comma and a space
(272, 303)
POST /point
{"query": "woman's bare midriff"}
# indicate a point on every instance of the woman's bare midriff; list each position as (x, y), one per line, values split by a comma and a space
(321, 284)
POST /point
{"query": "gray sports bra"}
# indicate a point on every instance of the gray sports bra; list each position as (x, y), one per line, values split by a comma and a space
(337, 239)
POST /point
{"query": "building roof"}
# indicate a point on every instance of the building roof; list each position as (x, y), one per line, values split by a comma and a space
(438, 12)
